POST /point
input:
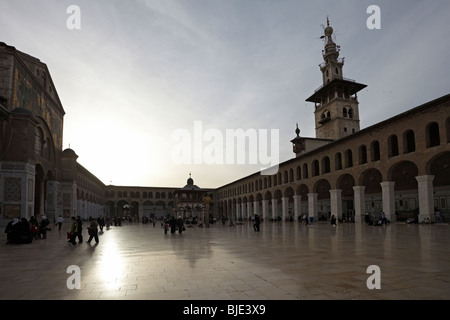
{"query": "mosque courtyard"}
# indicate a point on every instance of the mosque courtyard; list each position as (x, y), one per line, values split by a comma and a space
(290, 261)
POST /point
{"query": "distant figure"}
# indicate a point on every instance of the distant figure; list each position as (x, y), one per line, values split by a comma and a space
(73, 231)
(257, 223)
(180, 224)
(101, 223)
(93, 231)
(173, 225)
(79, 234)
(43, 227)
(437, 215)
(59, 222)
(333, 220)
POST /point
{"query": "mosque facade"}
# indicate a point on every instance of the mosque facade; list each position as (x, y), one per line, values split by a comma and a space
(400, 166)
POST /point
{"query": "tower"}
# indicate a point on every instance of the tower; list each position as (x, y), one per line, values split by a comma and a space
(336, 102)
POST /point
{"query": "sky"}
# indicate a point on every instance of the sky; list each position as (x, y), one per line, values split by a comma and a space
(154, 90)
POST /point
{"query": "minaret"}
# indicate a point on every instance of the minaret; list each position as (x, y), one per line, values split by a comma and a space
(336, 102)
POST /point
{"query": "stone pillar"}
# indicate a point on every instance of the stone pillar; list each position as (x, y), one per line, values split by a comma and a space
(359, 202)
(297, 206)
(256, 207)
(238, 211)
(284, 207)
(243, 207)
(249, 209)
(388, 198)
(425, 189)
(336, 202)
(265, 209)
(312, 206)
(274, 208)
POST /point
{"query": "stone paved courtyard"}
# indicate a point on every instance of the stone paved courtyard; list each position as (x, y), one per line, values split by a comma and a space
(287, 262)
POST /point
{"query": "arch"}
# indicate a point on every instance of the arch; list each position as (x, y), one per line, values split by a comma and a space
(338, 161)
(299, 173)
(375, 151)
(268, 195)
(315, 168)
(326, 164)
(259, 197)
(346, 183)
(302, 190)
(305, 171)
(362, 154)
(371, 179)
(439, 166)
(432, 135)
(285, 177)
(392, 146)
(409, 141)
(322, 188)
(348, 158)
(404, 175)
(289, 193)
(291, 175)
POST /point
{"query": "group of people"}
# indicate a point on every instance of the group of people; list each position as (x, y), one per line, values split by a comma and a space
(76, 229)
(174, 225)
(19, 231)
(373, 221)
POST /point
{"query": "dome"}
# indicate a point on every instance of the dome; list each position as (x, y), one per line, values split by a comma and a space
(328, 31)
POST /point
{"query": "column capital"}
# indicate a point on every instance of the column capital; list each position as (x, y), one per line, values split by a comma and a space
(425, 178)
(386, 184)
(359, 188)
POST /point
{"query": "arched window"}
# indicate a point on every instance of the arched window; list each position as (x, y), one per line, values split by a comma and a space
(326, 165)
(409, 142)
(392, 146)
(291, 175)
(305, 171)
(315, 168)
(432, 135)
(362, 152)
(375, 151)
(348, 158)
(299, 173)
(338, 161)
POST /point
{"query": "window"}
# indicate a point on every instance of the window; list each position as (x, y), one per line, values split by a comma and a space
(362, 154)
(348, 159)
(375, 151)
(392, 146)
(326, 165)
(432, 135)
(338, 161)
(315, 168)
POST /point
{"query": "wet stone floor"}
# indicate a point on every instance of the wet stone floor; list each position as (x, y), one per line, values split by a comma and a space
(290, 261)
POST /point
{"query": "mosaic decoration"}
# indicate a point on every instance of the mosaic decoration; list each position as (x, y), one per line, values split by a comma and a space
(12, 187)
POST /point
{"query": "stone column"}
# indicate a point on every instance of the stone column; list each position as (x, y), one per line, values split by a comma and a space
(336, 202)
(249, 209)
(238, 211)
(297, 206)
(284, 207)
(274, 208)
(312, 206)
(388, 198)
(425, 189)
(265, 209)
(243, 207)
(255, 207)
(359, 202)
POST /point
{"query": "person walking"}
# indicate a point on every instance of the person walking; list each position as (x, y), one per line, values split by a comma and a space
(59, 222)
(93, 231)
(173, 225)
(43, 227)
(257, 223)
(73, 231)
(180, 224)
(79, 234)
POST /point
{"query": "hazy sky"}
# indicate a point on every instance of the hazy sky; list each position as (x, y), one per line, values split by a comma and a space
(138, 73)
